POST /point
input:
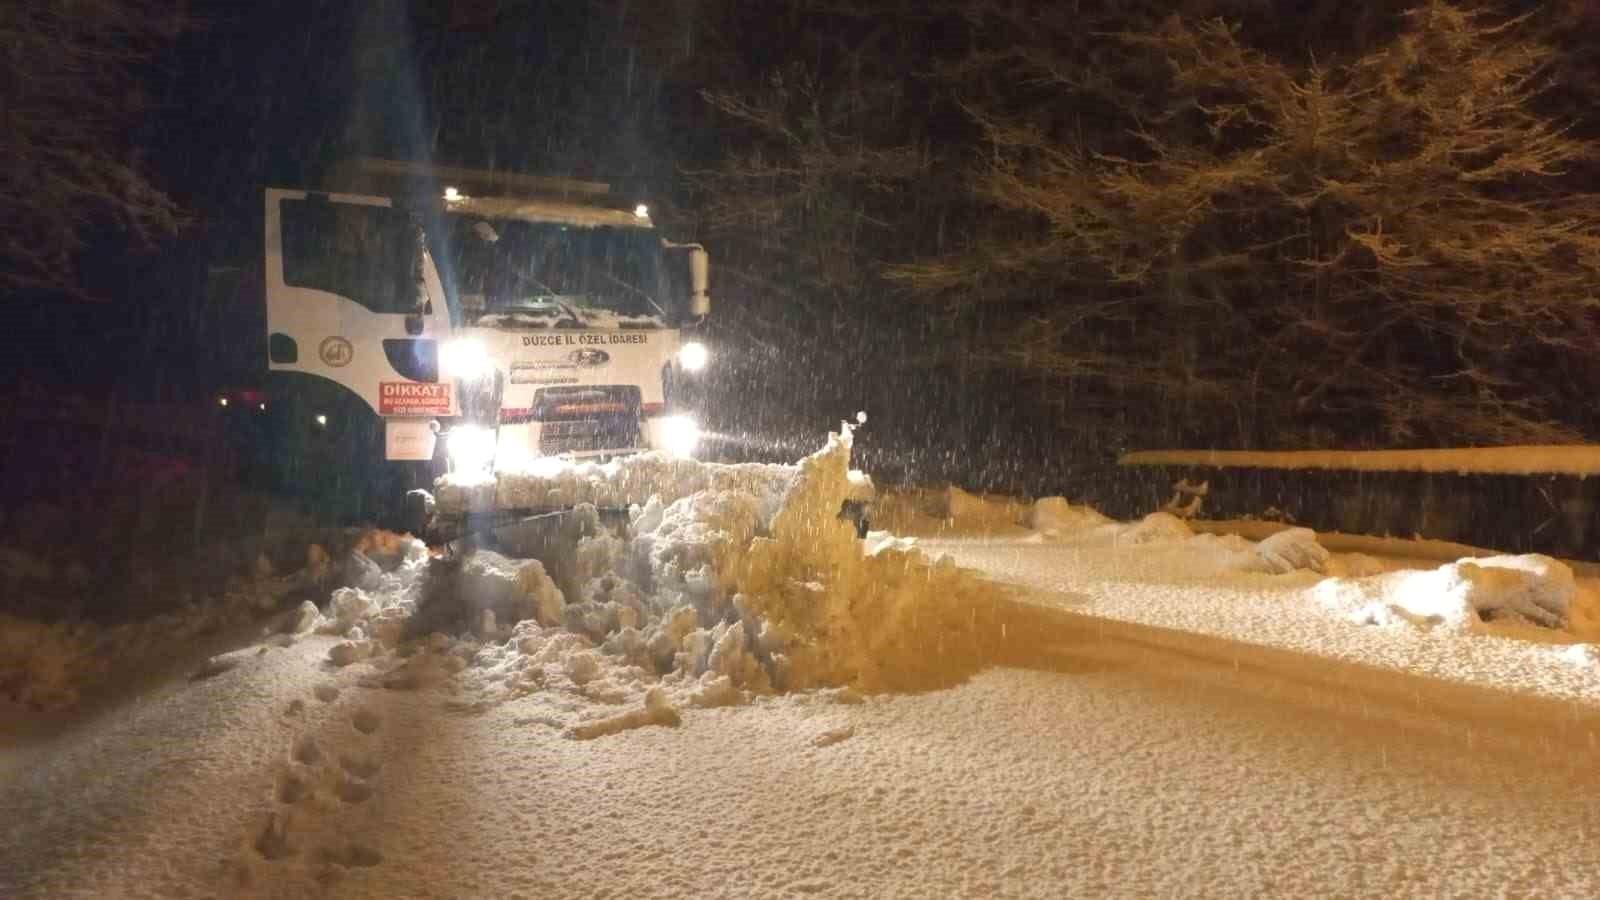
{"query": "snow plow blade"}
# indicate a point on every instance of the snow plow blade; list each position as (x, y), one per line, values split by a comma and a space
(463, 505)
(549, 536)
(522, 532)
(530, 513)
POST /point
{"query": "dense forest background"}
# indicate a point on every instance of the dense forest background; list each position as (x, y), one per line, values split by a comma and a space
(1023, 236)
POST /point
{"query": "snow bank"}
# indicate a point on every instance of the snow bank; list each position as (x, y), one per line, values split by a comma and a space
(1530, 588)
(1055, 516)
(1154, 528)
(979, 509)
(42, 666)
(1293, 549)
(732, 581)
(48, 666)
(1282, 551)
(724, 591)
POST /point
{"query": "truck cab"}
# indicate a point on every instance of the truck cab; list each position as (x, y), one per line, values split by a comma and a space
(424, 317)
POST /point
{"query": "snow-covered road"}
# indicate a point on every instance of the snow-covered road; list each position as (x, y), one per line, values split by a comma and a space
(1191, 587)
(1051, 757)
(1089, 709)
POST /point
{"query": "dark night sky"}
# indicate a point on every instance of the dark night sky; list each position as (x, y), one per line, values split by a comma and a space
(259, 94)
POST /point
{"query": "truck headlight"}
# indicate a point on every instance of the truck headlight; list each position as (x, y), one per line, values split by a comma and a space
(693, 356)
(463, 358)
(680, 435)
(471, 448)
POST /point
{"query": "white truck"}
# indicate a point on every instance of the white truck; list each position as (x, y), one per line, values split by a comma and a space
(424, 316)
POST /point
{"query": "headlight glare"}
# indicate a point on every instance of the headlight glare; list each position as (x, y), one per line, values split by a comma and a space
(693, 356)
(463, 358)
(471, 448)
(680, 435)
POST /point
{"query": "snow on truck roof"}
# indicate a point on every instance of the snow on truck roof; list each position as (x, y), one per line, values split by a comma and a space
(539, 210)
(1579, 460)
(494, 194)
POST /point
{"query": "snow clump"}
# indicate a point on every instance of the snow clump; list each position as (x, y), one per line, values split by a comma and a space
(1157, 527)
(1291, 550)
(749, 585)
(1055, 516)
(1583, 656)
(1530, 588)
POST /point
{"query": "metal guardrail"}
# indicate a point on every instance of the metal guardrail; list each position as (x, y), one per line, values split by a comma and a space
(1533, 459)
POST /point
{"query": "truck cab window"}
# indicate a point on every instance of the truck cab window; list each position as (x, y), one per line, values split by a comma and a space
(541, 274)
(367, 254)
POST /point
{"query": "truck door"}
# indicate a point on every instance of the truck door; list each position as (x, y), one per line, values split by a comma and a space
(353, 298)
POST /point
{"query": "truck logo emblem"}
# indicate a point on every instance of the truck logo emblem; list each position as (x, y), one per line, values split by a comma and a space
(336, 351)
(589, 356)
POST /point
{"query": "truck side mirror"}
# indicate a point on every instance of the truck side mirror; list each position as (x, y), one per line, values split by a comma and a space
(699, 281)
(699, 265)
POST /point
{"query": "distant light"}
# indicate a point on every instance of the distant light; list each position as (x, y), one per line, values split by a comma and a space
(861, 417)
(222, 401)
(451, 195)
(641, 211)
(263, 407)
(322, 419)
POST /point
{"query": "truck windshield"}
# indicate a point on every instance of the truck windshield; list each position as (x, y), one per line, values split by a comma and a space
(543, 275)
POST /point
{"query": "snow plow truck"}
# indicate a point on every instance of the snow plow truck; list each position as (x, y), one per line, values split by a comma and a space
(423, 319)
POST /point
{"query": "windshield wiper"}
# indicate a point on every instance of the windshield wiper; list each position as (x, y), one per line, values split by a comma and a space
(550, 295)
(647, 298)
(571, 313)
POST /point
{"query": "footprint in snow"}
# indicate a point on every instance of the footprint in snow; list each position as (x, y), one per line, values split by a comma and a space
(291, 788)
(353, 791)
(327, 693)
(366, 721)
(273, 841)
(306, 751)
(353, 854)
(363, 767)
(837, 735)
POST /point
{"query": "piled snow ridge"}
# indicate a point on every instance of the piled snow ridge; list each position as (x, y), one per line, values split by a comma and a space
(1157, 527)
(974, 509)
(746, 582)
(1531, 588)
(1054, 516)
(48, 666)
(1291, 550)
(1281, 553)
(736, 589)
(42, 666)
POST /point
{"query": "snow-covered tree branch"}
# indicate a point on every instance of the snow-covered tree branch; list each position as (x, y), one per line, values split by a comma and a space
(1316, 239)
(70, 73)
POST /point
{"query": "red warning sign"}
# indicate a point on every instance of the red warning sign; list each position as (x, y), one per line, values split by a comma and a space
(410, 398)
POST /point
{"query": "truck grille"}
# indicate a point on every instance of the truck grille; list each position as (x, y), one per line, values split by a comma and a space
(586, 435)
